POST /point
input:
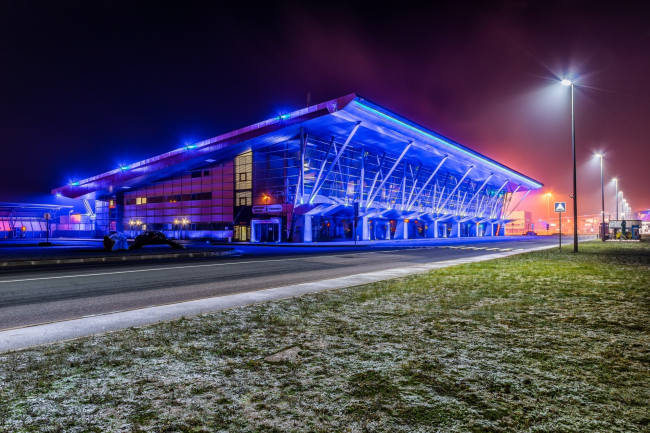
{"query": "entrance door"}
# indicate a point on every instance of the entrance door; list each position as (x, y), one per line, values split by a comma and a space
(266, 230)
(269, 232)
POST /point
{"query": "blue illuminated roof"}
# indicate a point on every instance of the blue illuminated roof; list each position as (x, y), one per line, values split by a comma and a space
(380, 129)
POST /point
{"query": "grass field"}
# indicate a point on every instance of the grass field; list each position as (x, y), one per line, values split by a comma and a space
(539, 342)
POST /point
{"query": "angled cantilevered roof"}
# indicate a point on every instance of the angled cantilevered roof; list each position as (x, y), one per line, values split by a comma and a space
(380, 129)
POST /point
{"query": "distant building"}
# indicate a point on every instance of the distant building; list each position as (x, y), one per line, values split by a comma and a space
(301, 175)
(27, 220)
(520, 223)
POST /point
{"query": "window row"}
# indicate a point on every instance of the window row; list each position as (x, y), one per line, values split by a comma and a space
(170, 198)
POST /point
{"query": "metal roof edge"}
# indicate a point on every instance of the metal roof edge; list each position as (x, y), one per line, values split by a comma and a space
(391, 115)
(331, 105)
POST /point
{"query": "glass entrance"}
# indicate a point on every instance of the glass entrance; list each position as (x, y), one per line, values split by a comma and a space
(266, 230)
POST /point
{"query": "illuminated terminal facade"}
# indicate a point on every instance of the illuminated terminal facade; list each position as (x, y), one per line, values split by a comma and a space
(301, 177)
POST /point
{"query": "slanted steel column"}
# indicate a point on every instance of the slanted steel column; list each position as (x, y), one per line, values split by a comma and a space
(403, 185)
(519, 202)
(362, 181)
(460, 204)
(410, 204)
(408, 146)
(503, 211)
(456, 187)
(415, 182)
(320, 171)
(492, 199)
(374, 181)
(476, 194)
(303, 146)
(336, 159)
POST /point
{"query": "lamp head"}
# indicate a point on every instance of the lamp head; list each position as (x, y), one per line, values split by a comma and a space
(598, 155)
(566, 82)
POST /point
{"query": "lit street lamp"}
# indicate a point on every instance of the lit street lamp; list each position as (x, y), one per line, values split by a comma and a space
(616, 200)
(548, 210)
(567, 82)
(602, 194)
(616, 182)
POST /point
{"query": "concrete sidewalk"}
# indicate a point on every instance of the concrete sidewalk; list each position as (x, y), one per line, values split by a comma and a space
(21, 338)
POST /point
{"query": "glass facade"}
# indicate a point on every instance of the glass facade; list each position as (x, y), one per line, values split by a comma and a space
(216, 201)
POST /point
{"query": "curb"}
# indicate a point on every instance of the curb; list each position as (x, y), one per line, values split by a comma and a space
(71, 329)
(116, 258)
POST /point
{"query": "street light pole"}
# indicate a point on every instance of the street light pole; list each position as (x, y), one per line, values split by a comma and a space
(567, 82)
(616, 183)
(548, 211)
(602, 194)
(575, 189)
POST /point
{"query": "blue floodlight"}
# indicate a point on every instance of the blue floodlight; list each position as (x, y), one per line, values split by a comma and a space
(124, 167)
(74, 183)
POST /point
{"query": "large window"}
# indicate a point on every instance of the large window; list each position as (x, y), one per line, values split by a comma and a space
(244, 179)
(244, 171)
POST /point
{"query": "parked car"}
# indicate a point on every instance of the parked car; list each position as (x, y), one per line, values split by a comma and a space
(153, 238)
(531, 234)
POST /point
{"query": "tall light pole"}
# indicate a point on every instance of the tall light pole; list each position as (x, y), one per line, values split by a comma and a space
(616, 203)
(548, 210)
(567, 82)
(602, 196)
(616, 183)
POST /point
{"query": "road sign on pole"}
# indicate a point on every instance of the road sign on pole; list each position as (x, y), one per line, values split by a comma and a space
(560, 207)
(560, 219)
(47, 217)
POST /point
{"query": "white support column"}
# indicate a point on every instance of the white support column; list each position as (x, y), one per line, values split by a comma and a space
(307, 229)
(362, 229)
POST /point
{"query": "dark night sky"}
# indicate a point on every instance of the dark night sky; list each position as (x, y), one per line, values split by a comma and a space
(86, 86)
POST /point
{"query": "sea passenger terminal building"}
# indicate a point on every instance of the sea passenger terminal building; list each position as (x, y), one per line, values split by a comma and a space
(301, 177)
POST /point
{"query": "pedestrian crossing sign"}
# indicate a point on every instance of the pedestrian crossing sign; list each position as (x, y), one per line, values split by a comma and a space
(560, 206)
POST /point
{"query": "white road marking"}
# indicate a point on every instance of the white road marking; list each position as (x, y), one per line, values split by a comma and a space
(189, 267)
(223, 264)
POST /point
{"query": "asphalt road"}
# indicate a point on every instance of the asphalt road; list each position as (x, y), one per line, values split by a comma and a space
(42, 295)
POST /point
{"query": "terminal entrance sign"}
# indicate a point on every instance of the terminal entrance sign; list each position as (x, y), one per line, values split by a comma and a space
(560, 206)
(271, 208)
